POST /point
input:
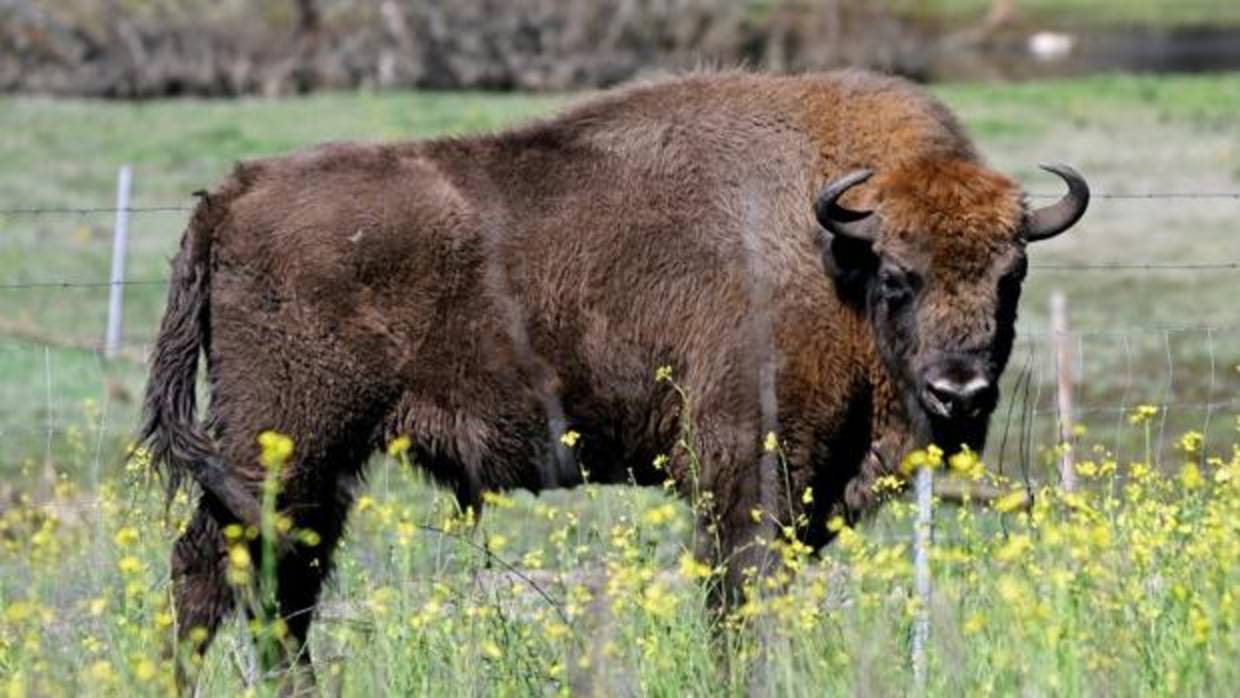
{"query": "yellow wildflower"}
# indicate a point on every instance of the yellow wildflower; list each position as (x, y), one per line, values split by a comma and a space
(771, 444)
(929, 457)
(660, 515)
(658, 601)
(276, 449)
(129, 565)
(126, 537)
(497, 500)
(692, 568)
(1190, 476)
(1015, 548)
(887, 483)
(399, 446)
(1142, 414)
(973, 624)
(101, 672)
(1192, 442)
(967, 463)
(533, 559)
(144, 669)
(239, 556)
(1011, 501)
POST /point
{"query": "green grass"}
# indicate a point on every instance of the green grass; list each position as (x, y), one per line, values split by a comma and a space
(1075, 13)
(65, 416)
(1127, 588)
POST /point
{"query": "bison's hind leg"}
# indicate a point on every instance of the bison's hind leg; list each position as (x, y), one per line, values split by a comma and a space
(314, 494)
(202, 597)
(318, 508)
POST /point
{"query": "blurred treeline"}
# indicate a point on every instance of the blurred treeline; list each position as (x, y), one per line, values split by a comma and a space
(140, 48)
(145, 48)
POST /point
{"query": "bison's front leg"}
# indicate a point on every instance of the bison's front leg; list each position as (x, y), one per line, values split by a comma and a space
(861, 496)
(738, 540)
(740, 547)
(718, 473)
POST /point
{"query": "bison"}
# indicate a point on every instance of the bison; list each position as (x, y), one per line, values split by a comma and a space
(824, 258)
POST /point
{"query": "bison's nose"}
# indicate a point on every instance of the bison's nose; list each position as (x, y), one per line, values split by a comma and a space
(950, 398)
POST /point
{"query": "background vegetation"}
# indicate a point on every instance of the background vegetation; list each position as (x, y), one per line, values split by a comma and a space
(149, 48)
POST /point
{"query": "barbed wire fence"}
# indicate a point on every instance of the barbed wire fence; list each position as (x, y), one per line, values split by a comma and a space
(1107, 371)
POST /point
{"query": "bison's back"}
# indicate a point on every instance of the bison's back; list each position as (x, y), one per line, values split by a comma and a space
(474, 287)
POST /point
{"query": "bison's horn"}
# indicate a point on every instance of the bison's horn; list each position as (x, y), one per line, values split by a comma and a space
(1049, 221)
(859, 225)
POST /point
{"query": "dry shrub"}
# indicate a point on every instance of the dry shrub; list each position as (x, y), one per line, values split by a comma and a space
(143, 48)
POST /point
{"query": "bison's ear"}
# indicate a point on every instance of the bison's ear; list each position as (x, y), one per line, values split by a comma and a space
(851, 263)
(846, 237)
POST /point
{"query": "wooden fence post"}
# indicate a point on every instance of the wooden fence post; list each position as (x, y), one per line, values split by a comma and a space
(116, 288)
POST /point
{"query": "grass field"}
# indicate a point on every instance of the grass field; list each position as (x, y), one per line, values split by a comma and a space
(1126, 591)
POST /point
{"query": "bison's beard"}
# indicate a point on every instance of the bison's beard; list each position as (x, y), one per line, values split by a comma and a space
(953, 435)
(948, 434)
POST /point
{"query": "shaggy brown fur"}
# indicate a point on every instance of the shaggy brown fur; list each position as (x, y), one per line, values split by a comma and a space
(481, 295)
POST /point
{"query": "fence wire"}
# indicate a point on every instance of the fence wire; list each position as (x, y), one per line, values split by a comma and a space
(173, 208)
(1176, 368)
(1138, 266)
(1228, 265)
(88, 210)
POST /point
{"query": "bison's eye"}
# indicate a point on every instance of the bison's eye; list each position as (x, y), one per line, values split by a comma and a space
(1017, 273)
(894, 285)
(1011, 280)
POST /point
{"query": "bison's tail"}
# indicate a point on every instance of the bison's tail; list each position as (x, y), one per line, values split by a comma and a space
(170, 430)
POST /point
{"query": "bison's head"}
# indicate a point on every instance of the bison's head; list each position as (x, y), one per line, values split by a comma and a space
(938, 264)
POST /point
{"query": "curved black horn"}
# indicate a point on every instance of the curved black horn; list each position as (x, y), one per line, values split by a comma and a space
(1049, 221)
(859, 225)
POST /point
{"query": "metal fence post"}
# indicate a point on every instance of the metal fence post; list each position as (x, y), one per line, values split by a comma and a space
(921, 571)
(116, 287)
(1063, 383)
